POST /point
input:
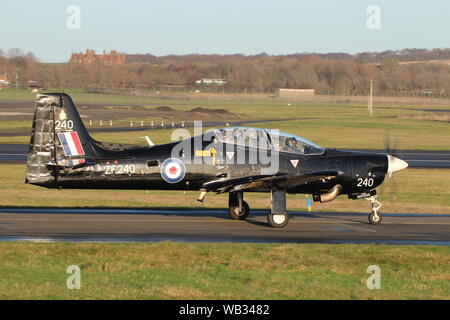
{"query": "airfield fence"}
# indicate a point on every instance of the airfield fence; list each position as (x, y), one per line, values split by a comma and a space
(390, 98)
(224, 99)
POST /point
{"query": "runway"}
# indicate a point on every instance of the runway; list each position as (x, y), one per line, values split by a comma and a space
(415, 159)
(140, 225)
(13, 152)
(421, 158)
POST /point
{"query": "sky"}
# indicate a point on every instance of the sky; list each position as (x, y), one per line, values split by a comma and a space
(52, 31)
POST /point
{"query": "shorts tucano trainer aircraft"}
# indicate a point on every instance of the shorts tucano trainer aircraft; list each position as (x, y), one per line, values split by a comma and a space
(234, 160)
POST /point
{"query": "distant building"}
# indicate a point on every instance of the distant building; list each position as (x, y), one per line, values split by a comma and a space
(4, 81)
(296, 93)
(212, 82)
(35, 84)
(427, 93)
(112, 58)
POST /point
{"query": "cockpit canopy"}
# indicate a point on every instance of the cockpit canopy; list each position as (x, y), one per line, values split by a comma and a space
(267, 139)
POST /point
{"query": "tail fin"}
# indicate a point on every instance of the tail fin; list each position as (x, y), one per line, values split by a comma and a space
(58, 138)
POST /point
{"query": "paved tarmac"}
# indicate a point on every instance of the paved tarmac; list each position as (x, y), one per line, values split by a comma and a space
(420, 158)
(112, 225)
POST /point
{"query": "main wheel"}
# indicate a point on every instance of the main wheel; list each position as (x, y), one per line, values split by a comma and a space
(237, 214)
(375, 217)
(278, 220)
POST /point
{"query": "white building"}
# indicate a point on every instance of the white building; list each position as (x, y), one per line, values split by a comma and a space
(212, 82)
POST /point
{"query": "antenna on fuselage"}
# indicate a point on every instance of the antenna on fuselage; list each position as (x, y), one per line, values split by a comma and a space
(149, 141)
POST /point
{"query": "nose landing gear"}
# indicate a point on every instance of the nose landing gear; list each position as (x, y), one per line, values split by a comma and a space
(375, 217)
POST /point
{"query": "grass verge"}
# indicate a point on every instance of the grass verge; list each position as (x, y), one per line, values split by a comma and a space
(222, 271)
(410, 191)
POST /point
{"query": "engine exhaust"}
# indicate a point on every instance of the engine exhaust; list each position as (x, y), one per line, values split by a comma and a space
(329, 196)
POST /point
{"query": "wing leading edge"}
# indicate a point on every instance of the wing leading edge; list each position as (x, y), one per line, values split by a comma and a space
(265, 181)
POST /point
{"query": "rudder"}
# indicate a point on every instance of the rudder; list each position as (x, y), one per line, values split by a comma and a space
(58, 139)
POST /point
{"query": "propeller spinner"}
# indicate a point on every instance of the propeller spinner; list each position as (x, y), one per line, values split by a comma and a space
(395, 164)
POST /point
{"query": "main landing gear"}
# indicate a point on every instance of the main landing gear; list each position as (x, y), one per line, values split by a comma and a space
(375, 217)
(278, 217)
(238, 209)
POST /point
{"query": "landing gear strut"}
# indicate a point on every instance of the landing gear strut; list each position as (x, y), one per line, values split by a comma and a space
(238, 209)
(278, 217)
(375, 217)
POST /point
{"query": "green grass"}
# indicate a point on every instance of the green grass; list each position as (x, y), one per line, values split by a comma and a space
(332, 125)
(337, 133)
(222, 271)
(15, 125)
(367, 133)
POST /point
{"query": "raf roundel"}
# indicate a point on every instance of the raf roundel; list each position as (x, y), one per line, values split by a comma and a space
(173, 170)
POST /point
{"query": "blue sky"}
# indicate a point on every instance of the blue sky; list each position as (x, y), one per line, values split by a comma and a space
(227, 26)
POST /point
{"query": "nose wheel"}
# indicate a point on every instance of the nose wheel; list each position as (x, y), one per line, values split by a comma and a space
(239, 213)
(375, 216)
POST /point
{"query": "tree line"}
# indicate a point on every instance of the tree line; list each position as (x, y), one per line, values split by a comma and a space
(337, 73)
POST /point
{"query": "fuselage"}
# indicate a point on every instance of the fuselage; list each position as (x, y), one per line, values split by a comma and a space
(140, 168)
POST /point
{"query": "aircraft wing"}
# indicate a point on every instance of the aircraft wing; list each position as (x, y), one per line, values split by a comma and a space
(264, 181)
(299, 179)
(241, 183)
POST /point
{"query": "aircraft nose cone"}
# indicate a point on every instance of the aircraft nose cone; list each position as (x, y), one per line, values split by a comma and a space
(395, 164)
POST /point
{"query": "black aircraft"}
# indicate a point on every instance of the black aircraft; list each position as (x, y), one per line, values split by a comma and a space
(235, 160)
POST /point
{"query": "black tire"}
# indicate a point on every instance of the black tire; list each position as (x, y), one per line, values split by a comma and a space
(239, 215)
(375, 218)
(278, 220)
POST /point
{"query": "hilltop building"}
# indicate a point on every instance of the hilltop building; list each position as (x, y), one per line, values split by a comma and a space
(111, 58)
